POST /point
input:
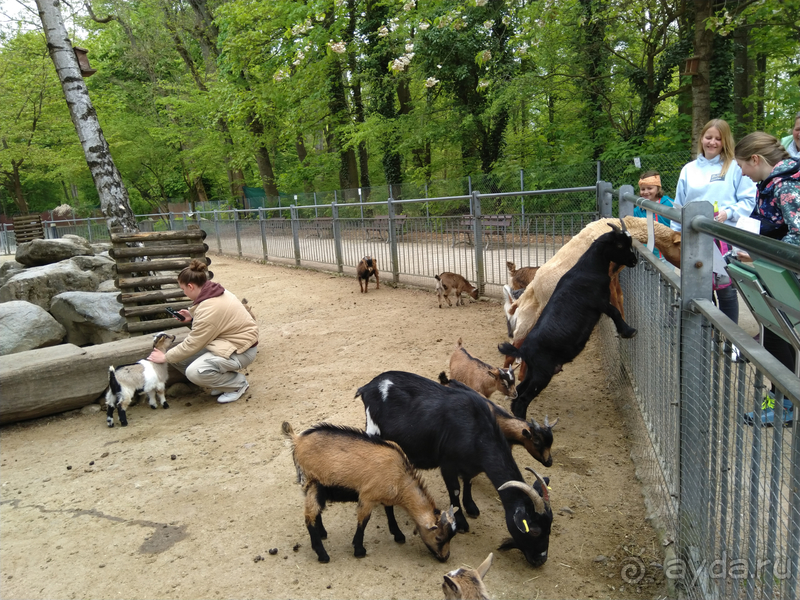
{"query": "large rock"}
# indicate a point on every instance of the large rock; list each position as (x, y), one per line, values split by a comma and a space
(26, 326)
(46, 252)
(44, 382)
(89, 317)
(9, 268)
(38, 285)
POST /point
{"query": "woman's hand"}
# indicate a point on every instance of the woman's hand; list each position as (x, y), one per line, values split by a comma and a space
(721, 216)
(187, 316)
(157, 356)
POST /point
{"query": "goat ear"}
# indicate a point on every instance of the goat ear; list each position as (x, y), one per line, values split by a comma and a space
(525, 524)
(527, 433)
(493, 374)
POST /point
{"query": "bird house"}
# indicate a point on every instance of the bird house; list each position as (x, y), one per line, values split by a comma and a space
(692, 66)
(83, 62)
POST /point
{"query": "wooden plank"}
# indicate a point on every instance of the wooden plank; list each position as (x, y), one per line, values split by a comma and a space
(147, 297)
(130, 282)
(157, 325)
(189, 234)
(173, 250)
(156, 265)
(152, 309)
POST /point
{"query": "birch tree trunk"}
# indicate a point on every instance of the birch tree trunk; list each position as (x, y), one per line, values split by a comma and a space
(113, 195)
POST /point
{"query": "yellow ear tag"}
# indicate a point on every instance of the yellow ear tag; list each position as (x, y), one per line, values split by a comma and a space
(524, 522)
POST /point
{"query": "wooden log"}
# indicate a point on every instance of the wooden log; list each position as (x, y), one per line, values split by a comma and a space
(131, 282)
(51, 380)
(155, 325)
(173, 250)
(172, 264)
(141, 311)
(149, 236)
(149, 297)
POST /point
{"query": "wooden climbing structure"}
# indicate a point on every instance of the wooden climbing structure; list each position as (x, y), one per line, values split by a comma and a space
(146, 273)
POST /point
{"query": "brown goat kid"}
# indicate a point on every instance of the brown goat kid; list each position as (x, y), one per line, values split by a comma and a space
(467, 584)
(520, 278)
(367, 267)
(453, 282)
(537, 440)
(484, 379)
(342, 464)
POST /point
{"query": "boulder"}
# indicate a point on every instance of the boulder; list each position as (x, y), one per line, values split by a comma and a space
(38, 285)
(102, 248)
(108, 286)
(89, 317)
(46, 252)
(26, 326)
(9, 268)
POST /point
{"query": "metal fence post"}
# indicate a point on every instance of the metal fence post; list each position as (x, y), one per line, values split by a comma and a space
(605, 199)
(393, 239)
(238, 232)
(599, 172)
(337, 238)
(522, 198)
(89, 229)
(696, 273)
(625, 208)
(216, 231)
(477, 228)
(171, 221)
(262, 221)
(295, 233)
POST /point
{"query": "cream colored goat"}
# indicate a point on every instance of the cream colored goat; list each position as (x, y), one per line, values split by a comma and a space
(467, 584)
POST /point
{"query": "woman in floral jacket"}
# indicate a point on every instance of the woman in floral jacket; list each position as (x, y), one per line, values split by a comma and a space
(763, 159)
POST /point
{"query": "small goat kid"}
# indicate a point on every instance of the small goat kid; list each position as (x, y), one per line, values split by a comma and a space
(453, 282)
(367, 267)
(144, 376)
(520, 278)
(342, 464)
(467, 584)
(481, 377)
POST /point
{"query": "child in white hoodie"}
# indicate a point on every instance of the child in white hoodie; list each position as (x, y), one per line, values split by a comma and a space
(716, 178)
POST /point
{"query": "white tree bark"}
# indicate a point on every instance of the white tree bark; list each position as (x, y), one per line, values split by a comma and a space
(113, 195)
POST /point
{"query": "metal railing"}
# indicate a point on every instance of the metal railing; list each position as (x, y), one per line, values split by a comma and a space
(726, 493)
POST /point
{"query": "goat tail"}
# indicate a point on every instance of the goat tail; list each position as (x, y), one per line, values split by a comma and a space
(113, 384)
(360, 392)
(443, 379)
(287, 430)
(509, 350)
(437, 278)
(459, 344)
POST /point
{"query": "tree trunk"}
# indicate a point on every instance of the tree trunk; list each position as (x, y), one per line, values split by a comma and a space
(114, 200)
(761, 88)
(742, 89)
(16, 186)
(701, 90)
(262, 156)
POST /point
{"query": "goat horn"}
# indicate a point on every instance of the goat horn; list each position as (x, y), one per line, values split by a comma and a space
(547, 423)
(538, 502)
(622, 223)
(545, 495)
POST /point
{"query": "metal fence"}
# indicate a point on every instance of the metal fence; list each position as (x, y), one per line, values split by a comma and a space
(727, 494)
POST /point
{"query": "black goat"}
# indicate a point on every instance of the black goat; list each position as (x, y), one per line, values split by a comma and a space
(454, 429)
(569, 317)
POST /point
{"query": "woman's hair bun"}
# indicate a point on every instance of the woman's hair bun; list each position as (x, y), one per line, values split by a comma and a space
(198, 265)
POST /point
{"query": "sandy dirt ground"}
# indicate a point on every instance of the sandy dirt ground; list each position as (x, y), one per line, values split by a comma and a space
(190, 502)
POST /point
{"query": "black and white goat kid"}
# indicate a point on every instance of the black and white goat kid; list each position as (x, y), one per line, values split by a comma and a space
(144, 376)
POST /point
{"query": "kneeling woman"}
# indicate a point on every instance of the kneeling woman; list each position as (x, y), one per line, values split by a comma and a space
(223, 340)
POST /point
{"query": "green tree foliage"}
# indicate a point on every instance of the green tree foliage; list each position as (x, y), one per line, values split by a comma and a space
(313, 95)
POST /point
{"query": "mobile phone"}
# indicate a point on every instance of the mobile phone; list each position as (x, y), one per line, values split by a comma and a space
(176, 314)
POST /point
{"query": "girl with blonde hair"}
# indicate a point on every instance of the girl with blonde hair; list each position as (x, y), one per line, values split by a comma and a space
(714, 176)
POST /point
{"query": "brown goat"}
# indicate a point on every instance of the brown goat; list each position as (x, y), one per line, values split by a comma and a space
(484, 379)
(520, 278)
(453, 282)
(342, 464)
(367, 267)
(537, 440)
(467, 584)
